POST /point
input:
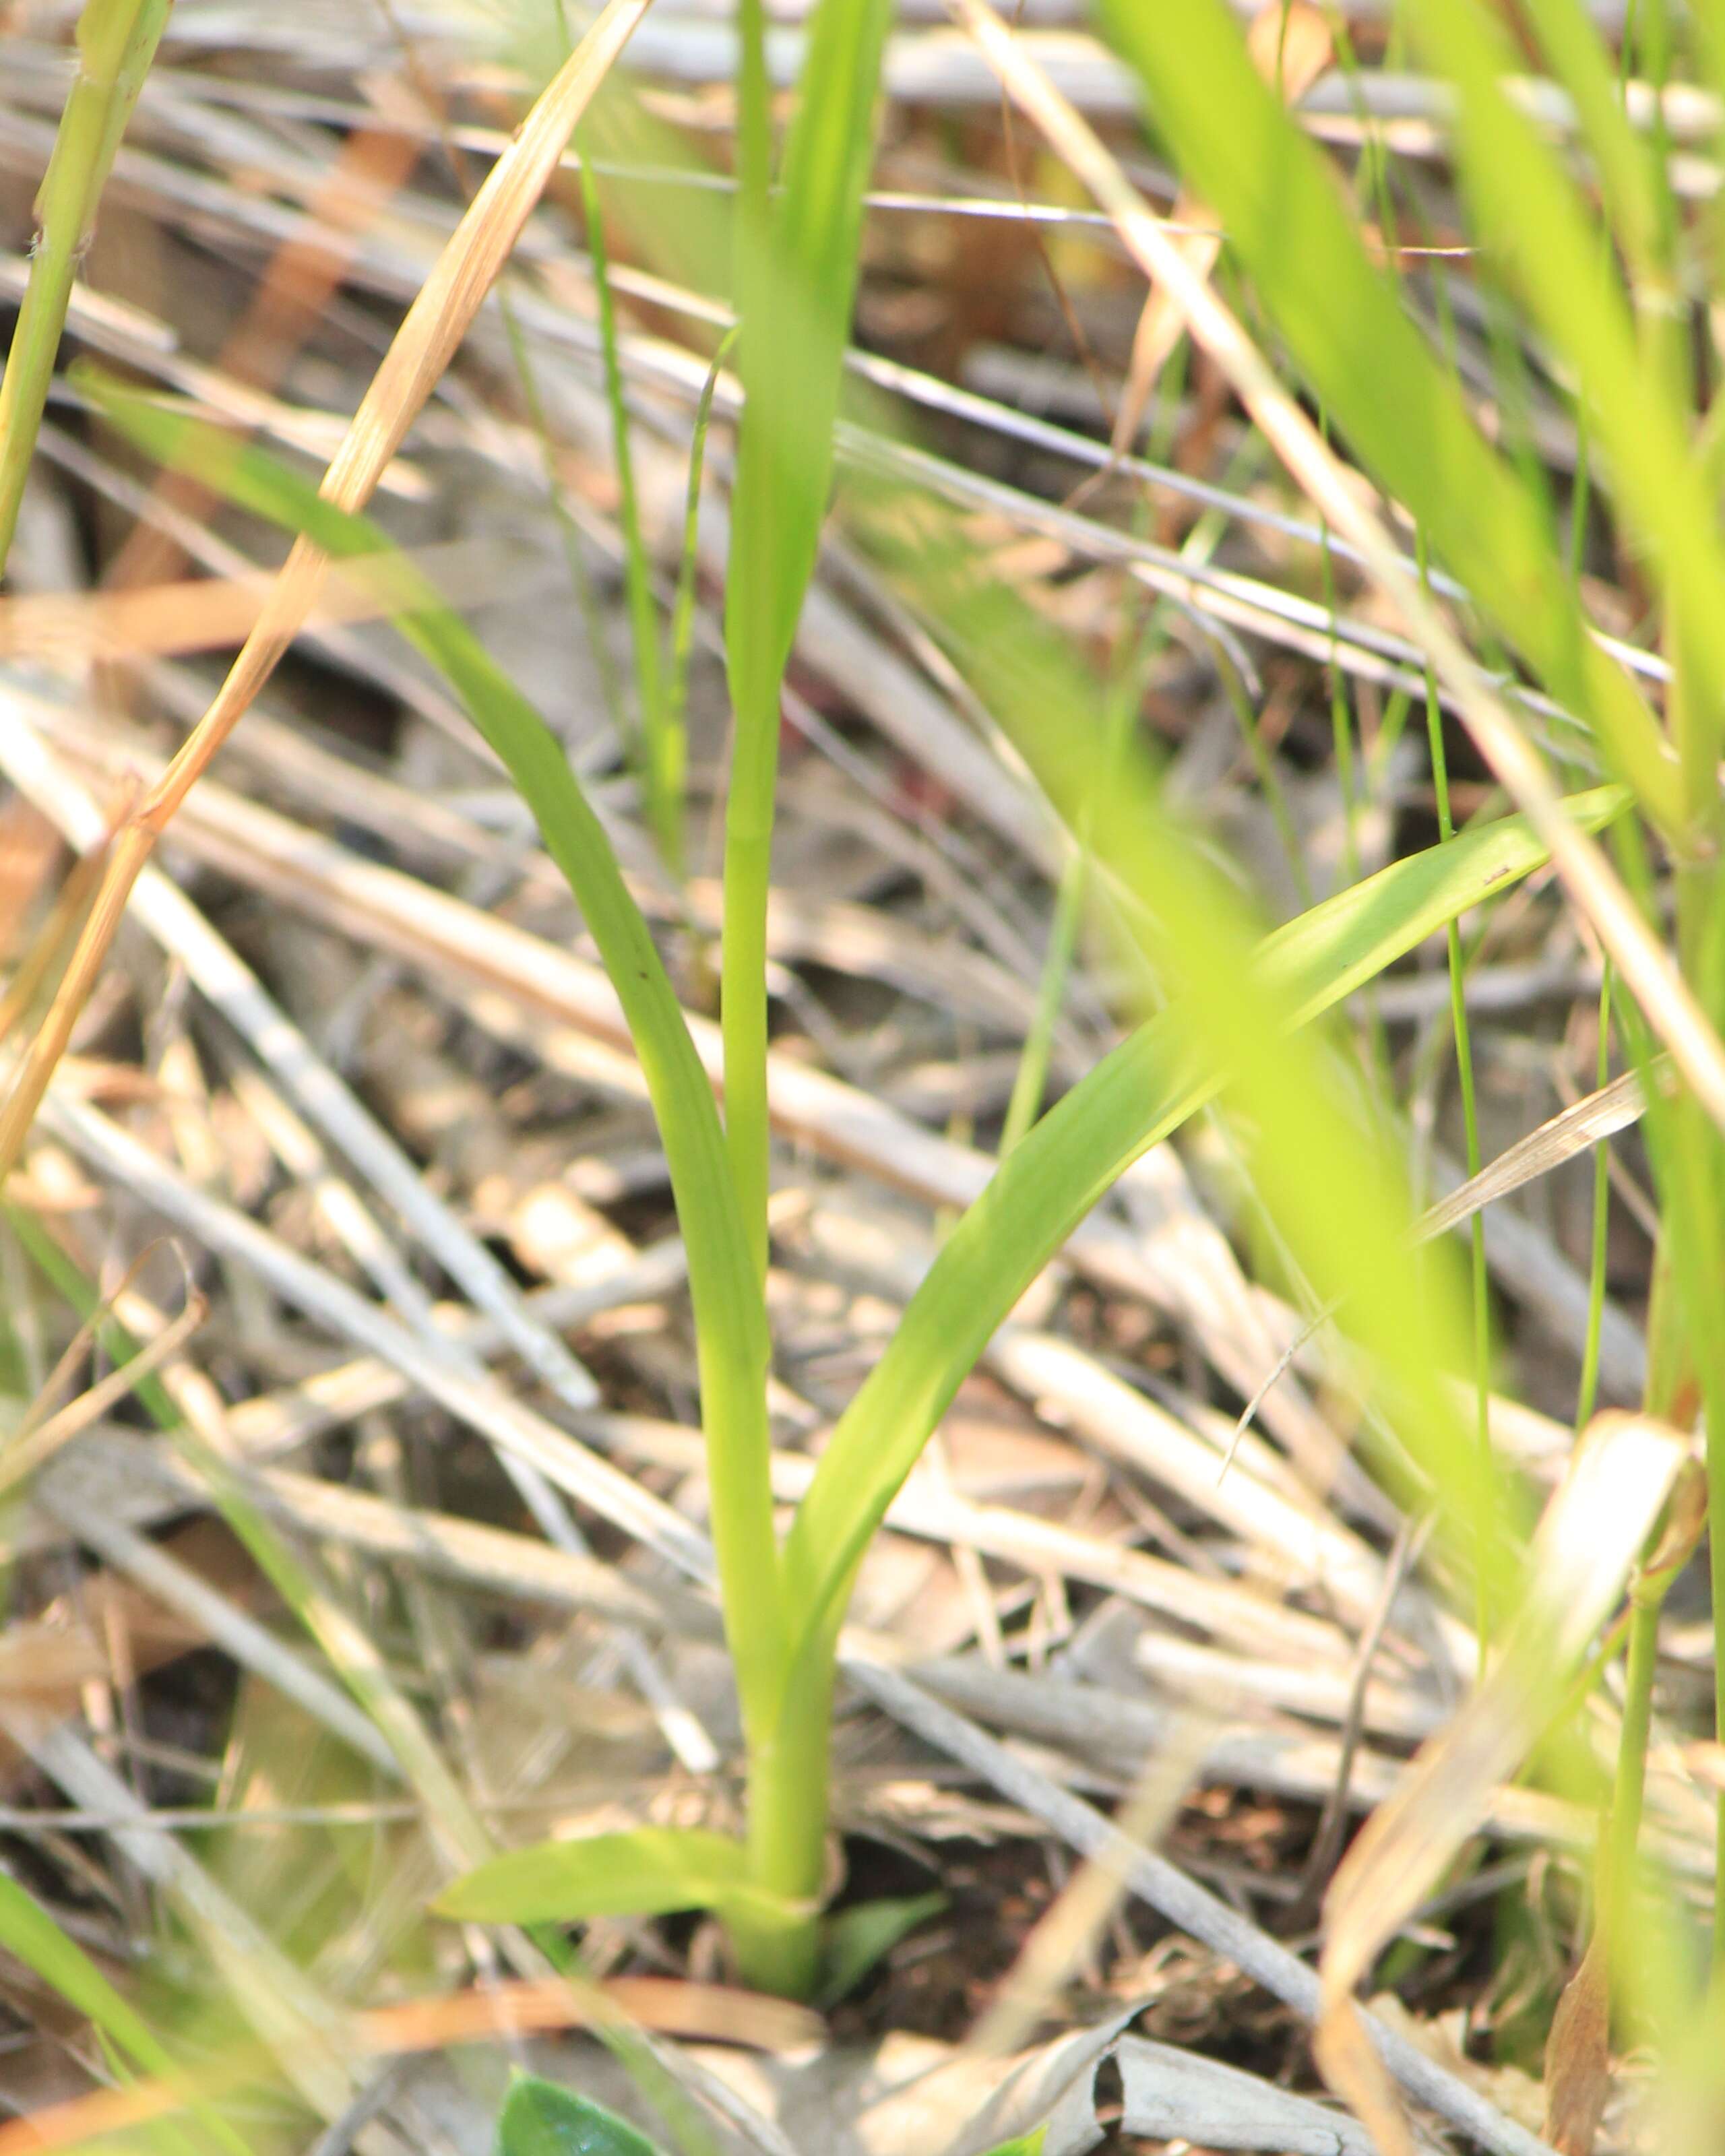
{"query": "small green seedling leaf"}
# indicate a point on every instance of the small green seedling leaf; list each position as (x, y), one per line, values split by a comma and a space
(857, 1938)
(1022, 2144)
(647, 1871)
(538, 2118)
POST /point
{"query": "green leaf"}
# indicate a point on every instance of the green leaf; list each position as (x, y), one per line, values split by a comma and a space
(1529, 211)
(1135, 1097)
(731, 1320)
(645, 1871)
(1289, 226)
(796, 285)
(1022, 2144)
(538, 2118)
(858, 1937)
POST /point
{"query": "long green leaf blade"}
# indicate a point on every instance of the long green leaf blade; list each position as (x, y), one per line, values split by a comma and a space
(643, 1872)
(1138, 1095)
(730, 1317)
(797, 281)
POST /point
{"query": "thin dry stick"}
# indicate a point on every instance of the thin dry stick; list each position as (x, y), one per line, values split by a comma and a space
(427, 341)
(1644, 962)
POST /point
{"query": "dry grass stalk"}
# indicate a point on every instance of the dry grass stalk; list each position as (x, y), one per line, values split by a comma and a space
(422, 347)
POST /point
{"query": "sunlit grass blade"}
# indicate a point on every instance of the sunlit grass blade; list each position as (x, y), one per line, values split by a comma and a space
(1578, 56)
(1529, 210)
(731, 1321)
(1289, 228)
(797, 281)
(1138, 1095)
(116, 41)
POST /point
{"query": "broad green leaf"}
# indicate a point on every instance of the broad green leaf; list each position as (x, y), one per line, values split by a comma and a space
(1529, 211)
(856, 1939)
(538, 2118)
(1404, 416)
(729, 1315)
(644, 1872)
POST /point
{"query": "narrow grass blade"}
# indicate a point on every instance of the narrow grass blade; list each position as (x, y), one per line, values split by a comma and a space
(1136, 1096)
(1289, 226)
(645, 1871)
(116, 41)
(798, 280)
(1530, 212)
(730, 1319)
(1578, 57)
(28, 1932)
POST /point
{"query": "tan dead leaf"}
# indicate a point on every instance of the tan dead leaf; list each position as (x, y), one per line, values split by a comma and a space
(1578, 2057)
(1291, 45)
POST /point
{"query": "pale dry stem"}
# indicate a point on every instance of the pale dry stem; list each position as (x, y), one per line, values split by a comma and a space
(423, 345)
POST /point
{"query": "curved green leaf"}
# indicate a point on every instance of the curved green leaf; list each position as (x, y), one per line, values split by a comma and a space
(644, 1872)
(1136, 1096)
(538, 2118)
(731, 1322)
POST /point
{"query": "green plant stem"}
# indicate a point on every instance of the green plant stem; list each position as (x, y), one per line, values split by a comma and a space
(788, 1777)
(117, 41)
